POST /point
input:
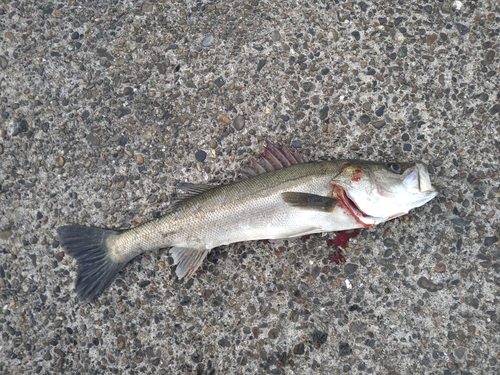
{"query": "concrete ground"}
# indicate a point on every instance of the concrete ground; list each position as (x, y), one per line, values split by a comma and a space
(106, 105)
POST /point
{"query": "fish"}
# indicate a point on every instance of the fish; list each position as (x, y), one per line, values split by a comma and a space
(281, 195)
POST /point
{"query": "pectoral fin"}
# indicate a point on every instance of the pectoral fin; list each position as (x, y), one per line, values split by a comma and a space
(187, 260)
(309, 201)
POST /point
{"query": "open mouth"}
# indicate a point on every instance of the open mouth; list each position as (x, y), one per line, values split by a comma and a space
(350, 206)
(353, 209)
(418, 181)
(424, 181)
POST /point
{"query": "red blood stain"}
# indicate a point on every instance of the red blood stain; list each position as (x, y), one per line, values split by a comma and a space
(357, 175)
(346, 165)
(265, 241)
(305, 238)
(340, 241)
(343, 237)
(336, 257)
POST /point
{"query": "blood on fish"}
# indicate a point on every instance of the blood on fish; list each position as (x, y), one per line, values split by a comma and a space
(357, 175)
(349, 206)
(346, 165)
(305, 238)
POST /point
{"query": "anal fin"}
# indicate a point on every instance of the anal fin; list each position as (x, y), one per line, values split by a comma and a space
(187, 260)
(309, 201)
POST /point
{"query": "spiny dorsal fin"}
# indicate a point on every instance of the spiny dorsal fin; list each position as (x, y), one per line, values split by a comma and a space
(309, 201)
(272, 158)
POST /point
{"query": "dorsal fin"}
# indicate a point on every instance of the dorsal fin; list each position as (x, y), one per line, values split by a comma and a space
(271, 150)
(272, 158)
(186, 190)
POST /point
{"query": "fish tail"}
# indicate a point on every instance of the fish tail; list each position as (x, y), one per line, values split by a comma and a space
(96, 268)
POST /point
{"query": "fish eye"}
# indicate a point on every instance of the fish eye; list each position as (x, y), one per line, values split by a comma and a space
(396, 168)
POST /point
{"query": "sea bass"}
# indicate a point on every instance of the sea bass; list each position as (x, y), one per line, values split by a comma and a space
(280, 196)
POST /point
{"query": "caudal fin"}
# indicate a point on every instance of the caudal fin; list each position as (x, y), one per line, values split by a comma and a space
(96, 269)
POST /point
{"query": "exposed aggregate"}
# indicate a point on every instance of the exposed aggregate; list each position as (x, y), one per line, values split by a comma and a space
(106, 105)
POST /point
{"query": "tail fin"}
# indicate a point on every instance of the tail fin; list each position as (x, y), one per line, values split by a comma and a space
(96, 269)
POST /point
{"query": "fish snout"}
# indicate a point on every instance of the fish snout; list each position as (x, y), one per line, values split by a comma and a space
(424, 181)
(418, 180)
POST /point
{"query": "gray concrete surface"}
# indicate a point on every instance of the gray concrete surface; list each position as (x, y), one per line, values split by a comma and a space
(103, 107)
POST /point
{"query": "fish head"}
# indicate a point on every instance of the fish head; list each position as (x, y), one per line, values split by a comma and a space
(376, 192)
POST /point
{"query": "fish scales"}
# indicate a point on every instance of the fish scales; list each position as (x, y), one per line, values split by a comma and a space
(246, 210)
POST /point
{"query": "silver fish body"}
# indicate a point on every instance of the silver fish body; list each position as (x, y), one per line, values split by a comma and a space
(274, 202)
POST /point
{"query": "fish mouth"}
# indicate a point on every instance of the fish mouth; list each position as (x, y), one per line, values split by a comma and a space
(418, 181)
(424, 179)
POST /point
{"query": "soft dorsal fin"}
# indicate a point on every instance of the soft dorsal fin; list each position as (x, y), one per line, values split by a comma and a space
(272, 158)
(186, 190)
